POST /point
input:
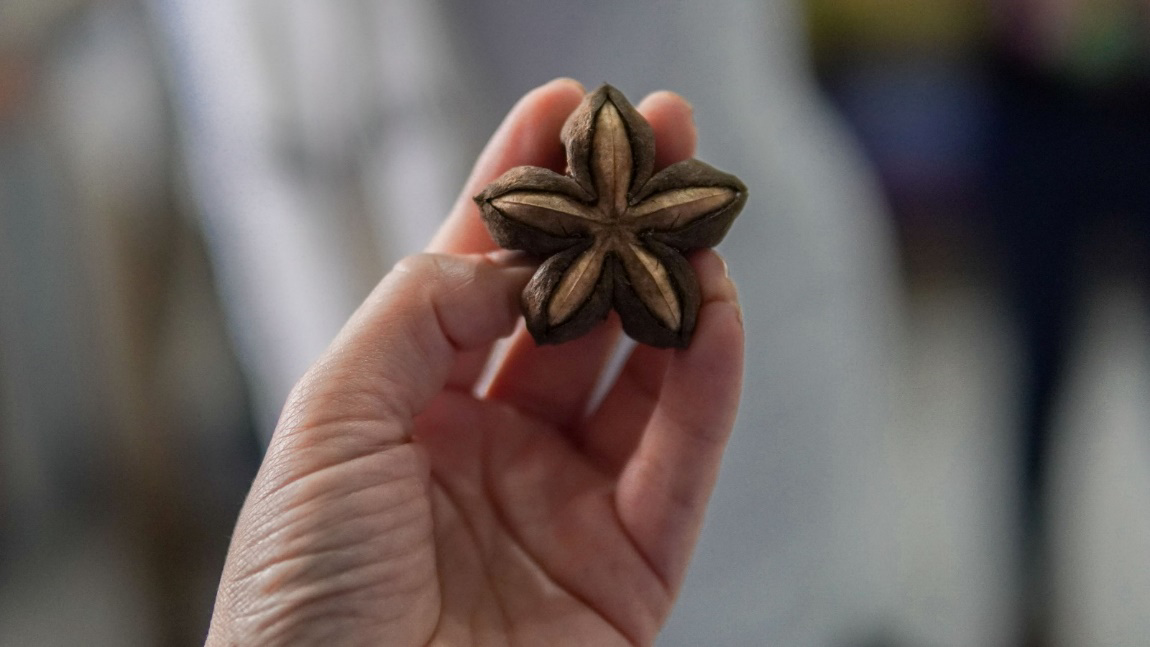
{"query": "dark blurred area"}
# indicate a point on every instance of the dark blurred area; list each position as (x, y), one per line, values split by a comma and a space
(1012, 139)
(125, 435)
(945, 440)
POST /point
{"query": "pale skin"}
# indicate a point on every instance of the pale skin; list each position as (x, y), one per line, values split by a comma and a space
(397, 507)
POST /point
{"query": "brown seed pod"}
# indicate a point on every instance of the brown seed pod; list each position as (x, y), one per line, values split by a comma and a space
(613, 235)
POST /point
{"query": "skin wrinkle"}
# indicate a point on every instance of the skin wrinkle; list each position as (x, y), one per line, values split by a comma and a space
(537, 420)
(441, 587)
(369, 393)
(659, 481)
(441, 337)
(342, 497)
(458, 281)
(344, 587)
(649, 397)
(300, 569)
(493, 500)
(425, 330)
(641, 472)
(289, 535)
(673, 411)
(307, 432)
(471, 363)
(660, 576)
(658, 473)
(639, 552)
(302, 566)
(288, 467)
(288, 619)
(665, 408)
(265, 509)
(503, 520)
(697, 434)
(470, 528)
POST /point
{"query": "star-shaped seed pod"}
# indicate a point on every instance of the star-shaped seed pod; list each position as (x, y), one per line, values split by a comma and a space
(612, 234)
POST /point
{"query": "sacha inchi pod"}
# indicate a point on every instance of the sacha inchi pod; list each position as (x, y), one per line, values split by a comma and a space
(613, 234)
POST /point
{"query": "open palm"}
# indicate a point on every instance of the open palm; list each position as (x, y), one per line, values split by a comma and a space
(398, 506)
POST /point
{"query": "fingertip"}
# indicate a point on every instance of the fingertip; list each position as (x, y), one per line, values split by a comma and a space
(548, 106)
(723, 332)
(714, 276)
(667, 101)
(564, 84)
(672, 118)
(718, 344)
(528, 136)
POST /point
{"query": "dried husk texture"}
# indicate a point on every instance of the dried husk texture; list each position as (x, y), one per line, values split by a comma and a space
(611, 234)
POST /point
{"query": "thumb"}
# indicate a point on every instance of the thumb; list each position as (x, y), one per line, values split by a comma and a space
(397, 350)
(335, 493)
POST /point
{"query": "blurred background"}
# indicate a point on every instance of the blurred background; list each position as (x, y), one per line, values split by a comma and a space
(945, 438)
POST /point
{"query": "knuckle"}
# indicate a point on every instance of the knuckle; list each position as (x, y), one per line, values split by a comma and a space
(417, 265)
(428, 268)
(439, 283)
(437, 273)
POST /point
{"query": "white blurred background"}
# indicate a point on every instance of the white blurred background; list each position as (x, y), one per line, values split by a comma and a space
(945, 438)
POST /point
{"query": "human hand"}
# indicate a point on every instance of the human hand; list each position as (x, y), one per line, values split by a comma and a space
(396, 507)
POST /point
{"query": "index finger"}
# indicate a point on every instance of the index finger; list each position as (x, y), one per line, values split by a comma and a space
(529, 135)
